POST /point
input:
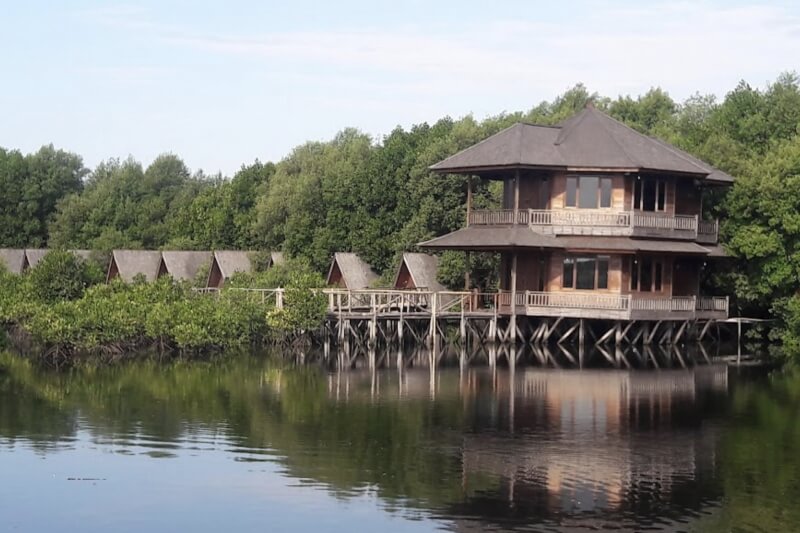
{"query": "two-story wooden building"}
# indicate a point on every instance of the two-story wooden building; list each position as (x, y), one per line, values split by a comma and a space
(598, 221)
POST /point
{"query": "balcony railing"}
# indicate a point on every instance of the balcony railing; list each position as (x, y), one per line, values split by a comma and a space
(708, 231)
(624, 305)
(601, 222)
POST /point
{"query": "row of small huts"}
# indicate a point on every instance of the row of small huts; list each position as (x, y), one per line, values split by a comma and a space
(347, 270)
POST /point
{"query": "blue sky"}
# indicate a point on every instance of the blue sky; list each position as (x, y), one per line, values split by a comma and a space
(224, 83)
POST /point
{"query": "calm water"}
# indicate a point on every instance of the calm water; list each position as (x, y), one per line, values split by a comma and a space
(250, 444)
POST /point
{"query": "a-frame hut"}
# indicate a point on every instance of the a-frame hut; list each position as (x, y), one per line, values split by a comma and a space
(418, 271)
(127, 264)
(348, 271)
(184, 266)
(13, 259)
(33, 256)
(224, 264)
(276, 258)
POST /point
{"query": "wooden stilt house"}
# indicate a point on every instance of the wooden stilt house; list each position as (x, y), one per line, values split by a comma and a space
(127, 264)
(184, 265)
(348, 271)
(598, 221)
(226, 263)
(418, 271)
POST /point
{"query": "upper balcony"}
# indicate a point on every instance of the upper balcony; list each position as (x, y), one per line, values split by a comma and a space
(602, 222)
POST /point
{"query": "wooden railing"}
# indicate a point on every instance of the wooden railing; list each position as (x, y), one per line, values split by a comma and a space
(675, 304)
(713, 303)
(580, 217)
(575, 300)
(660, 221)
(601, 222)
(708, 231)
(499, 217)
(383, 301)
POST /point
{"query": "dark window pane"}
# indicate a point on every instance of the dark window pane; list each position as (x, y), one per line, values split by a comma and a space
(637, 194)
(584, 273)
(605, 192)
(572, 191)
(542, 270)
(662, 194)
(648, 195)
(634, 274)
(646, 279)
(568, 273)
(602, 272)
(587, 192)
(658, 275)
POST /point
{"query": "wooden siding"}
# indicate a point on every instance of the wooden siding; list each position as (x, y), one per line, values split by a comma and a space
(335, 278)
(404, 279)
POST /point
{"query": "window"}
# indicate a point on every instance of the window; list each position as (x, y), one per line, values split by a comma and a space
(647, 274)
(568, 273)
(585, 273)
(650, 194)
(588, 187)
(588, 192)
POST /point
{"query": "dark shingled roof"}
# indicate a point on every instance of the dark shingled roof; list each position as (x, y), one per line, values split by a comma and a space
(589, 139)
(521, 237)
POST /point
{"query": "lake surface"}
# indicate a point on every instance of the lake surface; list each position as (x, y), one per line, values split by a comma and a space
(253, 444)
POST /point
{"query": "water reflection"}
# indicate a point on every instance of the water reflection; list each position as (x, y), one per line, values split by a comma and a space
(466, 448)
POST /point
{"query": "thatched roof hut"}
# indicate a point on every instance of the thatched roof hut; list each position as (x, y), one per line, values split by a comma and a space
(184, 266)
(418, 271)
(127, 264)
(226, 263)
(13, 259)
(348, 271)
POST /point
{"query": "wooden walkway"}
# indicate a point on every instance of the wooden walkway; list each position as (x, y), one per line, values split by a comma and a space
(390, 316)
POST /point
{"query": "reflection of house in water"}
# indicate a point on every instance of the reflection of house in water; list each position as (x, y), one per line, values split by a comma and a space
(567, 444)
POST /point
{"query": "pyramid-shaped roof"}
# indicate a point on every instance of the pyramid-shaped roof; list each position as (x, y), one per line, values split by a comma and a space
(588, 140)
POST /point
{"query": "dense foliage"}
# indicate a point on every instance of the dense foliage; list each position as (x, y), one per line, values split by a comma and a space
(61, 306)
(378, 198)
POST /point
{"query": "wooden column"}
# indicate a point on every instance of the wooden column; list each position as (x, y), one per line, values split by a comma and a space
(516, 195)
(513, 324)
(469, 197)
(468, 264)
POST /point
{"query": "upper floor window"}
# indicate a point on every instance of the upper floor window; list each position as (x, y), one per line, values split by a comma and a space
(585, 272)
(650, 194)
(588, 192)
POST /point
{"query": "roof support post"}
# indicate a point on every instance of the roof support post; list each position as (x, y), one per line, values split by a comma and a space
(467, 268)
(469, 197)
(513, 325)
(516, 196)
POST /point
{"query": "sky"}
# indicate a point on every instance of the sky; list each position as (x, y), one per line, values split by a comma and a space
(223, 83)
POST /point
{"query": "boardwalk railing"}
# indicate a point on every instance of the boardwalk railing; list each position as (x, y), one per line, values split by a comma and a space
(601, 222)
(532, 303)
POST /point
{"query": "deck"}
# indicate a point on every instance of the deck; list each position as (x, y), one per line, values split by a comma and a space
(602, 222)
